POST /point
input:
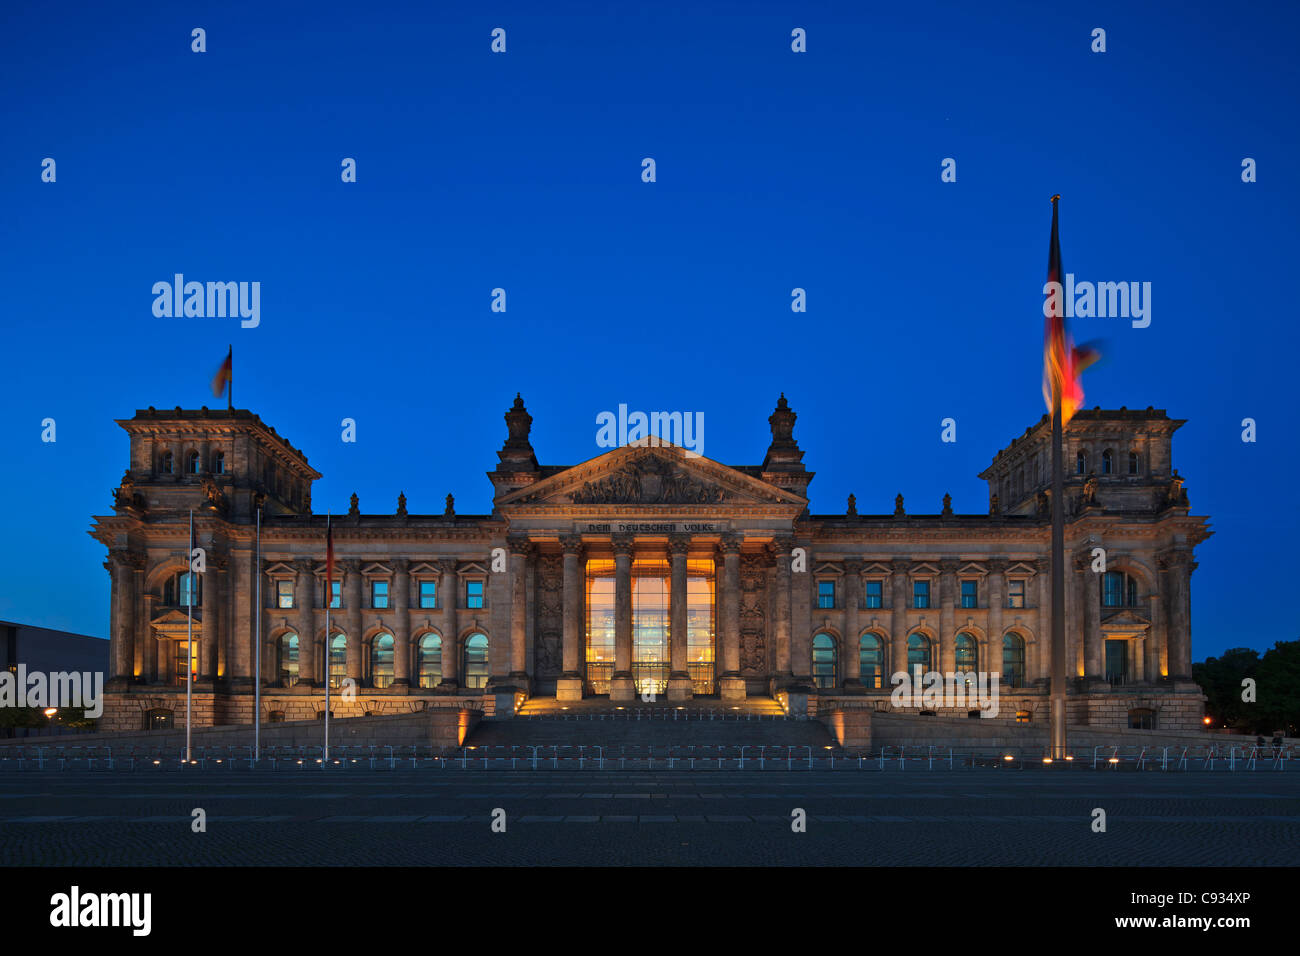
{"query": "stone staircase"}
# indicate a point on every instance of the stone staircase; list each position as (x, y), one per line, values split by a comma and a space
(637, 728)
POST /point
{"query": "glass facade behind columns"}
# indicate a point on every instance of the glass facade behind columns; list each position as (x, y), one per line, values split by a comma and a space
(699, 625)
(650, 591)
(600, 624)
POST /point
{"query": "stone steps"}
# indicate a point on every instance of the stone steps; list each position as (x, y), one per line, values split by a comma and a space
(660, 734)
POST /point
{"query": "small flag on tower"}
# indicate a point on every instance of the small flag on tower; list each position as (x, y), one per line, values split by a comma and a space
(221, 381)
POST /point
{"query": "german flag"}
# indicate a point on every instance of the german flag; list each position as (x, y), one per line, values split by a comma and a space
(221, 381)
(1062, 362)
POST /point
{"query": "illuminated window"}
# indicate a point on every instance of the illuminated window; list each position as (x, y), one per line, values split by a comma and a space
(1016, 593)
(600, 624)
(699, 625)
(336, 594)
(823, 661)
(180, 660)
(287, 652)
(158, 719)
(338, 659)
(1119, 590)
(275, 717)
(476, 661)
(871, 657)
(1023, 716)
(381, 660)
(967, 653)
(177, 590)
(650, 587)
(284, 593)
(428, 665)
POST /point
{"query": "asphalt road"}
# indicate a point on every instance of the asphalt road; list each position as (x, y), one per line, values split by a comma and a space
(595, 818)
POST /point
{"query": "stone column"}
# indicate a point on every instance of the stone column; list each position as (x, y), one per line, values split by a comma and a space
(731, 686)
(1094, 648)
(991, 660)
(121, 637)
(449, 598)
(569, 686)
(781, 546)
(1178, 566)
(679, 678)
(852, 655)
(621, 686)
(211, 619)
(304, 596)
(899, 568)
(351, 614)
(402, 622)
(240, 654)
(520, 549)
(802, 591)
(948, 617)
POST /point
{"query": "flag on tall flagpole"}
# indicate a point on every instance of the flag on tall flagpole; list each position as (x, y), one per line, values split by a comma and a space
(1062, 362)
(224, 379)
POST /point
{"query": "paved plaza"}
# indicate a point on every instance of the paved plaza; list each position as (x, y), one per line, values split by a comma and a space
(602, 818)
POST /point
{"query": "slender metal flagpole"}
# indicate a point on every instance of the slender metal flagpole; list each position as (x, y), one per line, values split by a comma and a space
(257, 663)
(1059, 742)
(230, 383)
(329, 648)
(189, 637)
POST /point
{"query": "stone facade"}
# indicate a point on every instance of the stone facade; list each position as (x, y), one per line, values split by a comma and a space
(644, 570)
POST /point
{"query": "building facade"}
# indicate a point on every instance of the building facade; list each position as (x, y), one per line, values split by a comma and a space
(645, 570)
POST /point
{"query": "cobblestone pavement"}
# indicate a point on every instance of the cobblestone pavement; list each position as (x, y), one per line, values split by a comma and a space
(980, 817)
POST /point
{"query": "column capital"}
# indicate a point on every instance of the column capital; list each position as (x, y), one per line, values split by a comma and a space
(304, 565)
(783, 543)
(900, 565)
(996, 565)
(401, 565)
(351, 565)
(949, 566)
(730, 543)
(1043, 565)
(1172, 558)
(127, 560)
(519, 545)
(679, 544)
(571, 543)
(623, 544)
(447, 565)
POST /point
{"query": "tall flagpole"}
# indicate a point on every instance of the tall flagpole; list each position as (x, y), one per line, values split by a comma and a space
(329, 644)
(189, 637)
(230, 385)
(257, 660)
(1059, 742)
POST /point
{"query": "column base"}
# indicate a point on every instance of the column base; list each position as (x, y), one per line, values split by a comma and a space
(447, 685)
(568, 688)
(622, 688)
(680, 688)
(731, 687)
(853, 685)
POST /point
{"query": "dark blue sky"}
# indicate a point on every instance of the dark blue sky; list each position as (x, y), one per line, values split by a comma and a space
(522, 171)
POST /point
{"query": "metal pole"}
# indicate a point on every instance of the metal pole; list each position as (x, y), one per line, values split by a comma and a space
(329, 650)
(189, 636)
(1058, 588)
(257, 661)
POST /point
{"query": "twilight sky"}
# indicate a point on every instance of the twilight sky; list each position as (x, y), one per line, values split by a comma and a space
(522, 171)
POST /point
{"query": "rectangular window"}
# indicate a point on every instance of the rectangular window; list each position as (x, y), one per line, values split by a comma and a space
(336, 595)
(473, 594)
(1015, 594)
(379, 594)
(284, 594)
(970, 594)
(920, 594)
(826, 595)
(428, 594)
(875, 594)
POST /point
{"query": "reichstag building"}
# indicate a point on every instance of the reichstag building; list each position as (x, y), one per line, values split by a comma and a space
(644, 570)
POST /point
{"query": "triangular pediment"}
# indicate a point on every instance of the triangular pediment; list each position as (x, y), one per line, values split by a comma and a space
(651, 476)
(1125, 618)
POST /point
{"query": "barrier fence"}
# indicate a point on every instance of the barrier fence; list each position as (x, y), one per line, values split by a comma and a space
(749, 757)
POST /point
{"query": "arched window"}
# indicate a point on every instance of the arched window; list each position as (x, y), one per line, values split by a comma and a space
(823, 661)
(1013, 660)
(287, 658)
(1081, 463)
(176, 590)
(428, 666)
(219, 463)
(381, 660)
(475, 666)
(1107, 462)
(1133, 463)
(871, 654)
(1142, 718)
(1119, 590)
(192, 463)
(338, 659)
(918, 652)
(165, 463)
(967, 653)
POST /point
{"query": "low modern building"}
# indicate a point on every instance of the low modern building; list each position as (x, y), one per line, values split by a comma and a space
(647, 569)
(49, 651)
